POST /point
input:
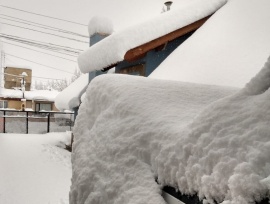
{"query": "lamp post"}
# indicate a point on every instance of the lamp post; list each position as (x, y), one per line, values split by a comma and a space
(23, 75)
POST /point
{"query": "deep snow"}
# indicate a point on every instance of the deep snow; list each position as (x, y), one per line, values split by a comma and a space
(126, 139)
(33, 169)
(70, 97)
(123, 125)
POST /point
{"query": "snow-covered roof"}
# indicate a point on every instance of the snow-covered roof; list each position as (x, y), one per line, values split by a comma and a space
(113, 48)
(228, 49)
(44, 95)
(70, 97)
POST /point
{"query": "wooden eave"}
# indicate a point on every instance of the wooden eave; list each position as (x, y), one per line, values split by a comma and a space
(140, 51)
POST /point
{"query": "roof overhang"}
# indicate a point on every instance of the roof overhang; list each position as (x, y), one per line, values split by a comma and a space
(140, 51)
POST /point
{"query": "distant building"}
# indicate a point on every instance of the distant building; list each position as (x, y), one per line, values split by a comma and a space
(13, 78)
(38, 100)
(17, 94)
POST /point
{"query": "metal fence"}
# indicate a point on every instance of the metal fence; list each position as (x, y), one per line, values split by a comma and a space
(14, 121)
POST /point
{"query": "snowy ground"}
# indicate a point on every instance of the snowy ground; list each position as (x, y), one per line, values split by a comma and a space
(33, 169)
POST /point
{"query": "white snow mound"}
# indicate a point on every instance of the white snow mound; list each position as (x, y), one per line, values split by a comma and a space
(132, 129)
(70, 97)
(100, 24)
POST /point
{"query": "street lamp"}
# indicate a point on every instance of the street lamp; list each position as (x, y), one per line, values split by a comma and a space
(23, 75)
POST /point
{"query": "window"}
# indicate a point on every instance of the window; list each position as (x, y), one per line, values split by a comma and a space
(134, 70)
(43, 106)
(3, 104)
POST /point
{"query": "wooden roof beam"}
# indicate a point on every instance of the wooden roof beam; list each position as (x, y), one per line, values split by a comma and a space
(140, 51)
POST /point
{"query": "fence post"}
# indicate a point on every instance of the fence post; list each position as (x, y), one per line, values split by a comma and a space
(70, 122)
(4, 120)
(48, 123)
(26, 122)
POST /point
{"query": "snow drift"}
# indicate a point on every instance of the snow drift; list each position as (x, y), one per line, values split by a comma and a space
(130, 130)
(70, 97)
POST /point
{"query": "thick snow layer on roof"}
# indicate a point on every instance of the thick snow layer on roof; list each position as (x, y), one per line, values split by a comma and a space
(99, 24)
(227, 50)
(113, 48)
(70, 97)
(45, 95)
(123, 125)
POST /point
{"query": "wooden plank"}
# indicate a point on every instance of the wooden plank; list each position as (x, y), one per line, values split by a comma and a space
(140, 51)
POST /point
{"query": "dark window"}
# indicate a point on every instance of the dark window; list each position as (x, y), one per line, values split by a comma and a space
(3, 104)
(134, 70)
(43, 106)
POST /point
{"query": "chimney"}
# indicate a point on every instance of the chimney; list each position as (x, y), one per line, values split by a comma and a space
(168, 5)
(99, 28)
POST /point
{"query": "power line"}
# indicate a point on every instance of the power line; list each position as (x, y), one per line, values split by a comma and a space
(38, 51)
(32, 76)
(42, 45)
(43, 15)
(48, 78)
(38, 42)
(31, 23)
(44, 32)
(38, 63)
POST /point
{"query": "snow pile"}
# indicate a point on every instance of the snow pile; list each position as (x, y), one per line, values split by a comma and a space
(99, 24)
(229, 49)
(124, 123)
(113, 48)
(70, 97)
(29, 95)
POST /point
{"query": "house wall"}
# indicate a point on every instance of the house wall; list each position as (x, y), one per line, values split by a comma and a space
(54, 107)
(16, 104)
(154, 57)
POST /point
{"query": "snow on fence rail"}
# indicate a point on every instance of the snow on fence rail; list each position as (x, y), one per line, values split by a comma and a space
(15, 121)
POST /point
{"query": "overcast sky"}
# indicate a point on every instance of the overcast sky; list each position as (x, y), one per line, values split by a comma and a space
(122, 13)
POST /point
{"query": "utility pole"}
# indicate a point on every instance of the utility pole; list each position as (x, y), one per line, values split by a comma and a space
(2, 67)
